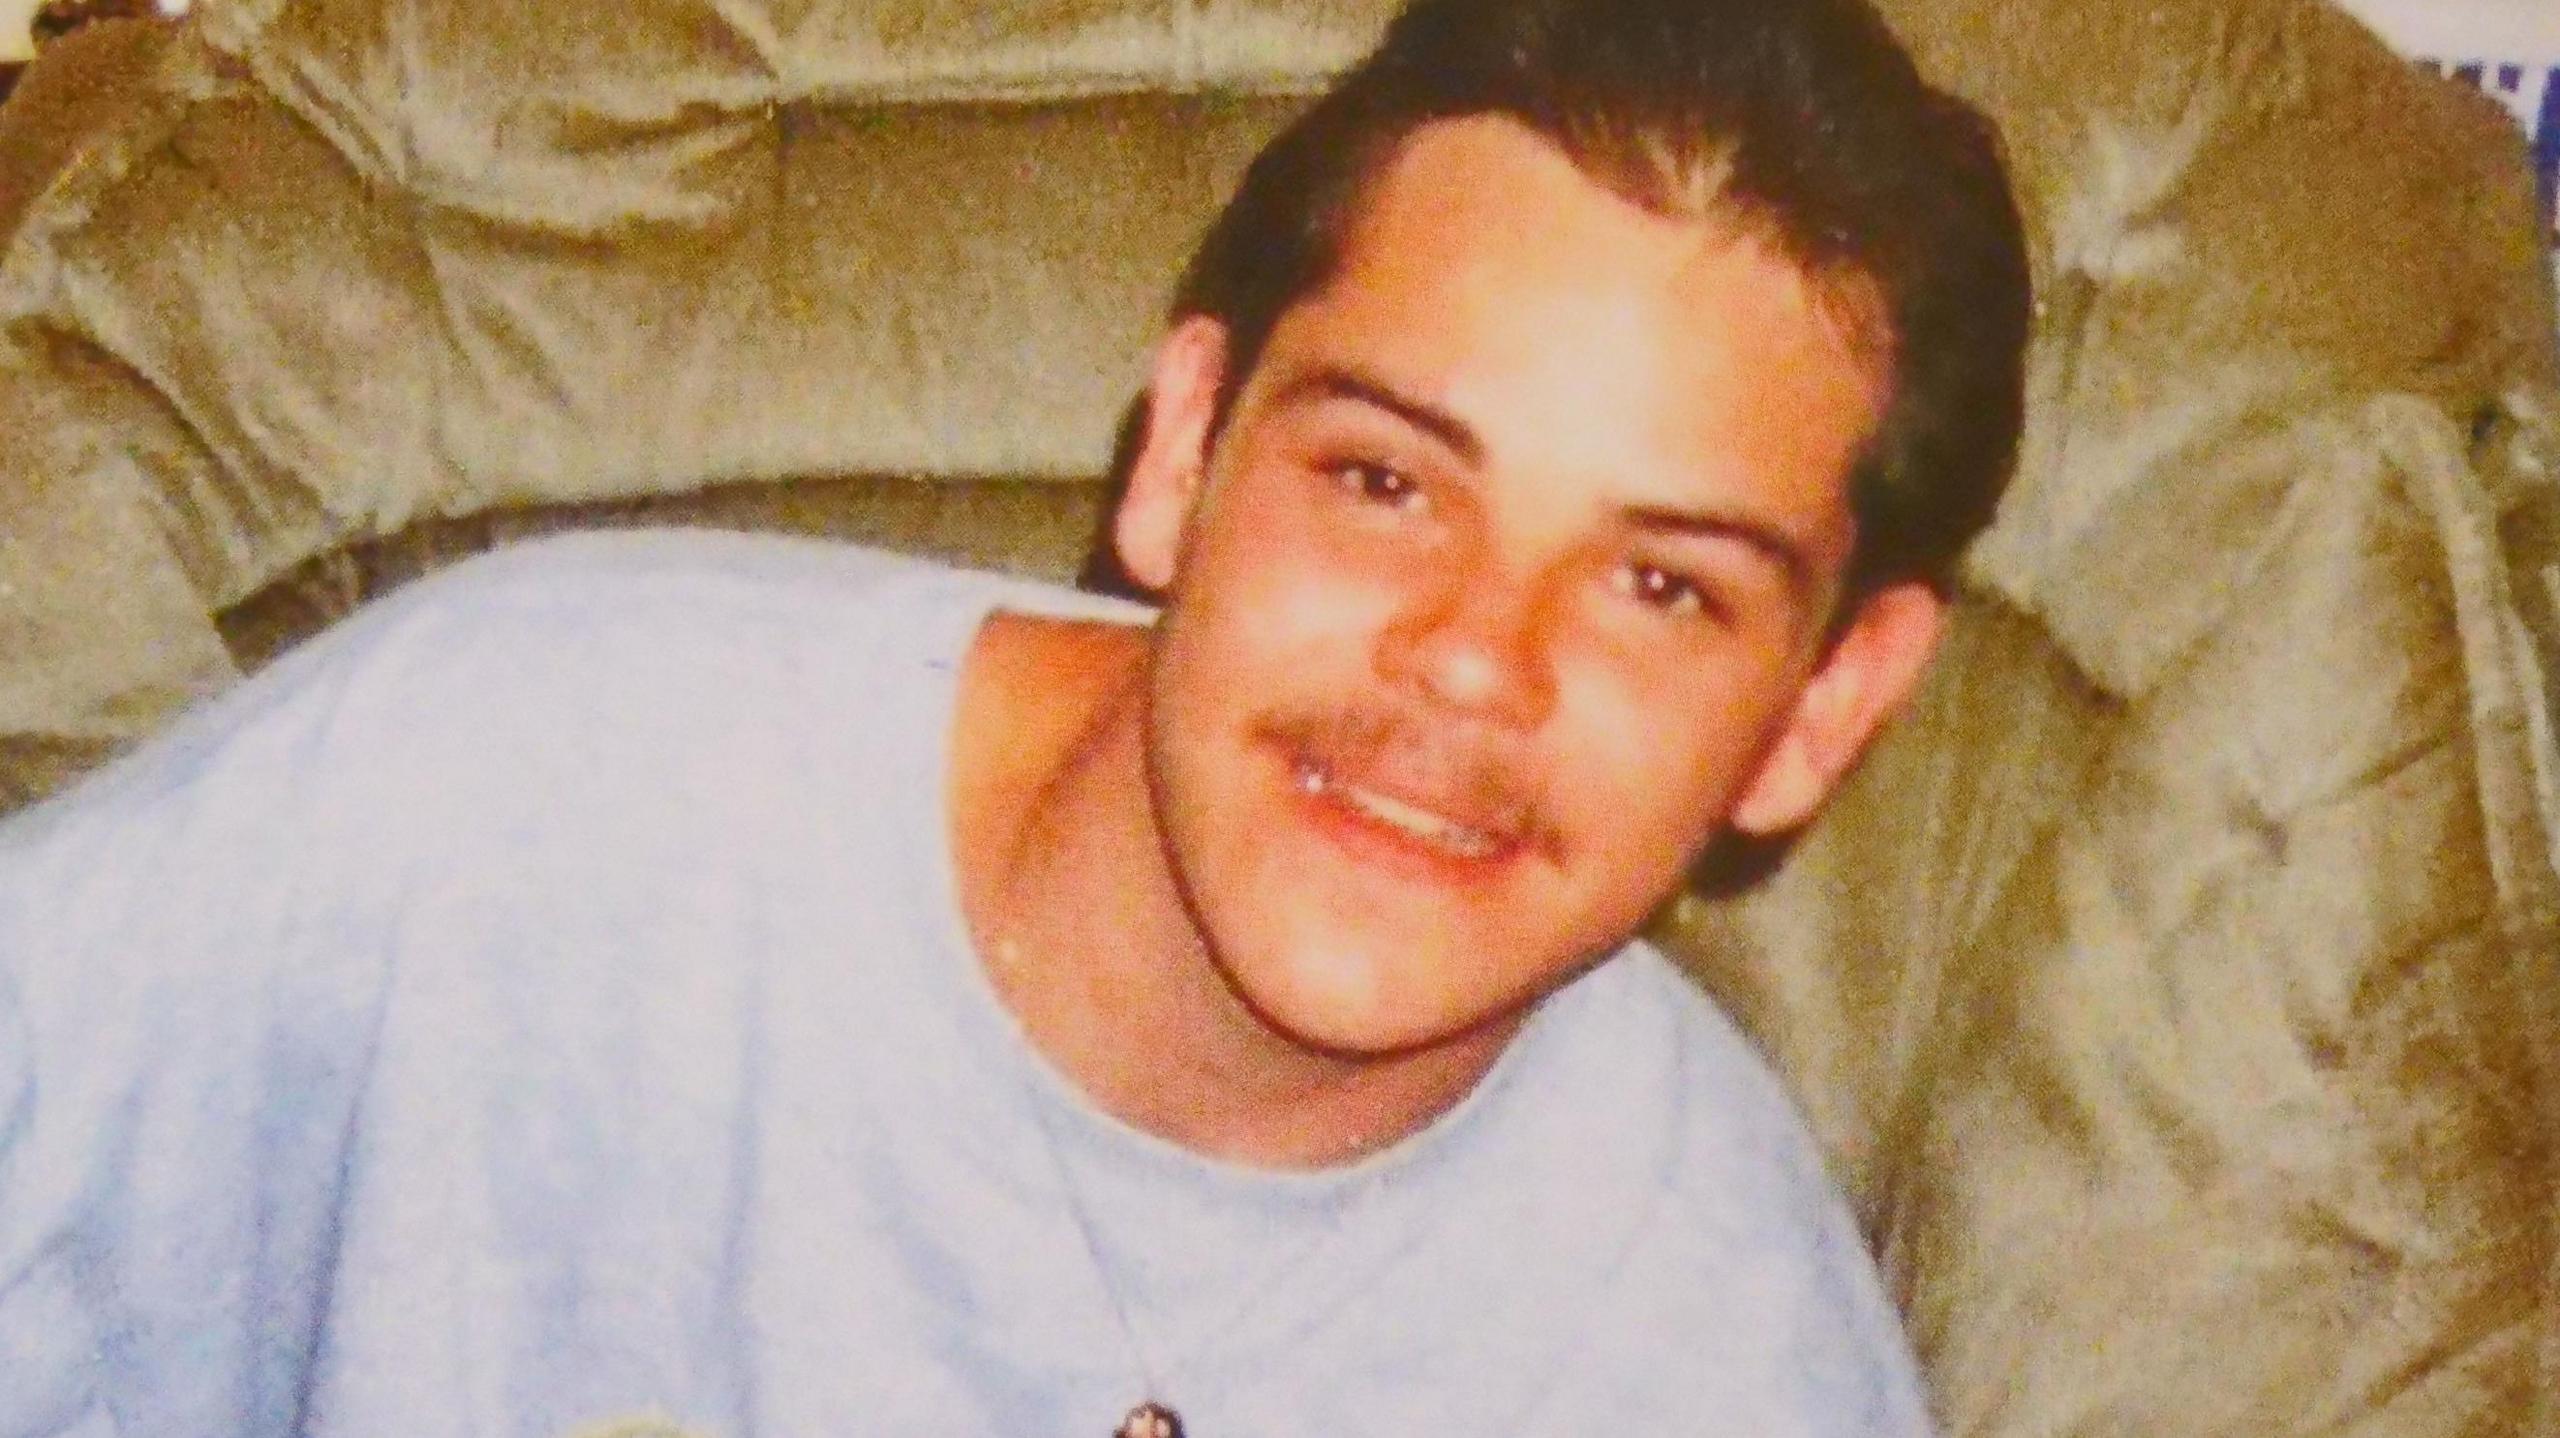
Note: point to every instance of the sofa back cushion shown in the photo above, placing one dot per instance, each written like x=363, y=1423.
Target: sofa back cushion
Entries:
x=2176, y=990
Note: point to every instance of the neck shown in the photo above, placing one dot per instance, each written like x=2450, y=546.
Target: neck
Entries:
x=1076, y=914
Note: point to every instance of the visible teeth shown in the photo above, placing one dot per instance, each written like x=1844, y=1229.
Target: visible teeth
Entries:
x=1421, y=823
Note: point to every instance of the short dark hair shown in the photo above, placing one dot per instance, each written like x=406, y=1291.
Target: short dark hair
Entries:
x=1801, y=120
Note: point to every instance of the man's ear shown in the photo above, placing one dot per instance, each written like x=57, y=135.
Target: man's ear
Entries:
x=1172, y=463
x=1869, y=672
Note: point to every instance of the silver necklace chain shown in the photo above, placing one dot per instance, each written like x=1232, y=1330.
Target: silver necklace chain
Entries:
x=1152, y=1418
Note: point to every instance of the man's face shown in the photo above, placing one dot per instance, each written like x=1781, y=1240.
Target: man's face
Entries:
x=1502, y=588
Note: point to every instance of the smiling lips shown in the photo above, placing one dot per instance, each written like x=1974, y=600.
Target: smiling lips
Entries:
x=1425, y=826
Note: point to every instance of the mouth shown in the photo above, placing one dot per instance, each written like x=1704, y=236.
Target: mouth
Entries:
x=1427, y=828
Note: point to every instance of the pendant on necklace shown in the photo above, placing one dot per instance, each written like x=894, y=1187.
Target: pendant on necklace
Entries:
x=1150, y=1420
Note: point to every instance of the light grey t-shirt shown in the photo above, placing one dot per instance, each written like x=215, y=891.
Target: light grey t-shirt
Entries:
x=541, y=1005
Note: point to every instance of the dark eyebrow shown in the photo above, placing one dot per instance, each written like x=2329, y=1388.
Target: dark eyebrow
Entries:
x=1767, y=541
x=1333, y=382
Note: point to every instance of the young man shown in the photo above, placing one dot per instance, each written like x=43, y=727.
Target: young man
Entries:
x=720, y=986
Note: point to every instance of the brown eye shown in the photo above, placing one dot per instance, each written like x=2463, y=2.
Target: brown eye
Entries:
x=1378, y=484
x=1657, y=588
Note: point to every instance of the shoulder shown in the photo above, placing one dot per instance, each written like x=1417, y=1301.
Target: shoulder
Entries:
x=546, y=636
x=1728, y=1148
x=1750, y=1252
x=524, y=692
x=702, y=611
x=724, y=570
x=657, y=576
x=1714, y=1089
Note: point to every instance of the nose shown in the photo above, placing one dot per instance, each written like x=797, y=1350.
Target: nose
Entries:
x=1476, y=645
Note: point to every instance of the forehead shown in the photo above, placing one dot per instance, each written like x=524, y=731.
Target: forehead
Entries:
x=1485, y=274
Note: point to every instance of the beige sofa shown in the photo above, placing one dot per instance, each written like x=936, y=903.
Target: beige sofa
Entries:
x=2178, y=990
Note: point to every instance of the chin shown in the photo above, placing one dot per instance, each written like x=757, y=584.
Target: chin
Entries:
x=1351, y=1006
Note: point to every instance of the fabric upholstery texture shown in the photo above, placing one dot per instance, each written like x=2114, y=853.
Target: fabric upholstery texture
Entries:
x=2177, y=989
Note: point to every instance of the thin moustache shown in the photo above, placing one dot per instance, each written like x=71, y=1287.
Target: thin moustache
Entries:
x=1434, y=759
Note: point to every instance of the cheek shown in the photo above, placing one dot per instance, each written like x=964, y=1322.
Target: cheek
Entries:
x=1651, y=764
x=1289, y=611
